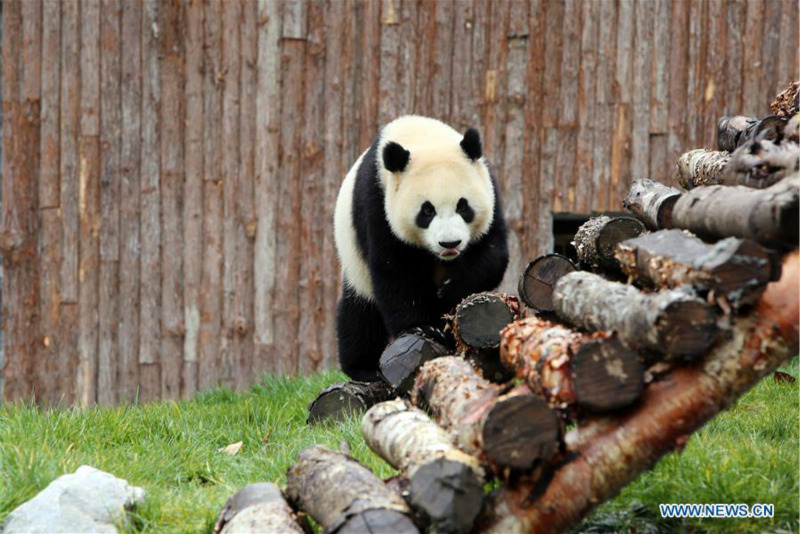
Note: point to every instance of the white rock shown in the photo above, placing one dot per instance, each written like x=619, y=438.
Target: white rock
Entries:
x=89, y=500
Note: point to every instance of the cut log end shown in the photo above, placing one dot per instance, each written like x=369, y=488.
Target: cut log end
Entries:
x=378, y=521
x=540, y=276
x=688, y=328
x=614, y=232
x=405, y=355
x=340, y=401
x=480, y=318
x=521, y=430
x=448, y=493
x=607, y=375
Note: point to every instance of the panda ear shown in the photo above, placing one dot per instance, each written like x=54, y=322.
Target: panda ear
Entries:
x=395, y=157
x=471, y=144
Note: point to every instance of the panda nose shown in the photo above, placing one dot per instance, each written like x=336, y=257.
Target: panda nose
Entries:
x=449, y=244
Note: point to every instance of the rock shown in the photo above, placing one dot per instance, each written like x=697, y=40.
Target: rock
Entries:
x=88, y=500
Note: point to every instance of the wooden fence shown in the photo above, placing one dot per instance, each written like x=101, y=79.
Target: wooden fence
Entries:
x=170, y=167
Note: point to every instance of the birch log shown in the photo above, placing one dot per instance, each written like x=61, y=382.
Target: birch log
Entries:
x=339, y=401
x=405, y=355
x=733, y=132
x=513, y=429
x=444, y=483
x=737, y=270
x=536, y=283
x=570, y=369
x=343, y=496
x=701, y=167
x=768, y=216
x=612, y=452
x=258, y=508
x=675, y=323
x=652, y=203
x=597, y=239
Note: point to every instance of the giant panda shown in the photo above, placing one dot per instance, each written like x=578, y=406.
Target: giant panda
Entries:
x=418, y=226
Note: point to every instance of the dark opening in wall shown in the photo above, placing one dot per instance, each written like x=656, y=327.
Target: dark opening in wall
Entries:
x=565, y=225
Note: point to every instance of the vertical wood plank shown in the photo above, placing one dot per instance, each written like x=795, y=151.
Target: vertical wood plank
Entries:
x=679, y=37
x=659, y=91
x=369, y=81
x=644, y=13
x=193, y=194
x=150, y=202
x=623, y=106
x=734, y=48
x=714, y=86
x=130, y=193
x=423, y=63
x=267, y=158
x=442, y=61
x=752, y=68
x=110, y=139
x=564, y=194
x=604, y=106
x=49, y=189
x=172, y=64
x=771, y=50
x=463, y=104
x=479, y=58
x=389, y=95
x=586, y=106
x=495, y=88
x=695, y=67
x=787, y=60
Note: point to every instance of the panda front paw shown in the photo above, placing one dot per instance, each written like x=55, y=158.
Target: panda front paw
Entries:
x=441, y=292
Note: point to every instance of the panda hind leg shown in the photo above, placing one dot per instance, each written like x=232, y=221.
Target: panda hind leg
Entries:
x=362, y=337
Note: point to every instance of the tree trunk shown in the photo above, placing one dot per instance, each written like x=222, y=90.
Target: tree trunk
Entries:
x=597, y=239
x=652, y=203
x=675, y=323
x=733, y=269
x=405, y=355
x=258, y=508
x=611, y=452
x=569, y=368
x=536, y=283
x=701, y=167
x=513, y=429
x=444, y=483
x=343, y=496
x=768, y=216
x=762, y=163
x=787, y=103
x=733, y=132
x=338, y=401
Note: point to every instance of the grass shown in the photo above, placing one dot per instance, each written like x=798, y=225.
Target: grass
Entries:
x=748, y=454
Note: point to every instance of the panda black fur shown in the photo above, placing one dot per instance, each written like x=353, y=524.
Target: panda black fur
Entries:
x=418, y=227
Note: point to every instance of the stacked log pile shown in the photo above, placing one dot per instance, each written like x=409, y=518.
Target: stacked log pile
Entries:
x=678, y=311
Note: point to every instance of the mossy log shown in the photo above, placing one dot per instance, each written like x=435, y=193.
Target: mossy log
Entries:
x=596, y=240
x=345, y=497
x=652, y=203
x=403, y=357
x=674, y=323
x=444, y=484
x=536, y=283
x=768, y=216
x=610, y=452
x=337, y=402
x=259, y=508
x=507, y=429
x=701, y=167
x=737, y=270
x=570, y=369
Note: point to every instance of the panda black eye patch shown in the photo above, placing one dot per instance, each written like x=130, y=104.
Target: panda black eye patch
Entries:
x=465, y=210
x=426, y=214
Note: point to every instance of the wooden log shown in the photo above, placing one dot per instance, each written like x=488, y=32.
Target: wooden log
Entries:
x=733, y=132
x=611, y=452
x=652, y=203
x=701, y=167
x=444, y=483
x=768, y=216
x=787, y=103
x=337, y=402
x=597, y=239
x=536, y=283
x=405, y=355
x=733, y=269
x=675, y=323
x=343, y=496
x=259, y=507
x=761, y=163
x=570, y=369
x=513, y=429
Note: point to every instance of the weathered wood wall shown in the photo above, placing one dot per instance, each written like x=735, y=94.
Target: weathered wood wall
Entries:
x=170, y=167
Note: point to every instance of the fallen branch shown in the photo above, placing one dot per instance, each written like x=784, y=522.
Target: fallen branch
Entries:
x=652, y=203
x=536, y=283
x=444, y=483
x=612, y=452
x=570, y=369
x=337, y=402
x=343, y=496
x=405, y=355
x=258, y=508
x=701, y=167
x=597, y=239
x=675, y=323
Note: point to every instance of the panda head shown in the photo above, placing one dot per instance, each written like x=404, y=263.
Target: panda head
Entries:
x=438, y=191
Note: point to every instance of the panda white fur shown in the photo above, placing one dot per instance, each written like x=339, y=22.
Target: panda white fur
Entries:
x=418, y=226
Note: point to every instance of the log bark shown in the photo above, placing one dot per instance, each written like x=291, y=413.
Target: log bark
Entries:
x=733, y=132
x=652, y=203
x=444, y=483
x=536, y=283
x=337, y=402
x=570, y=369
x=345, y=497
x=761, y=163
x=768, y=216
x=673, y=323
x=597, y=239
x=701, y=167
x=405, y=355
x=611, y=452
x=734, y=269
x=506, y=429
x=259, y=508
x=787, y=103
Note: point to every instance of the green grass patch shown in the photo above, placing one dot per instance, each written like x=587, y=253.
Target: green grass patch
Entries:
x=748, y=454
